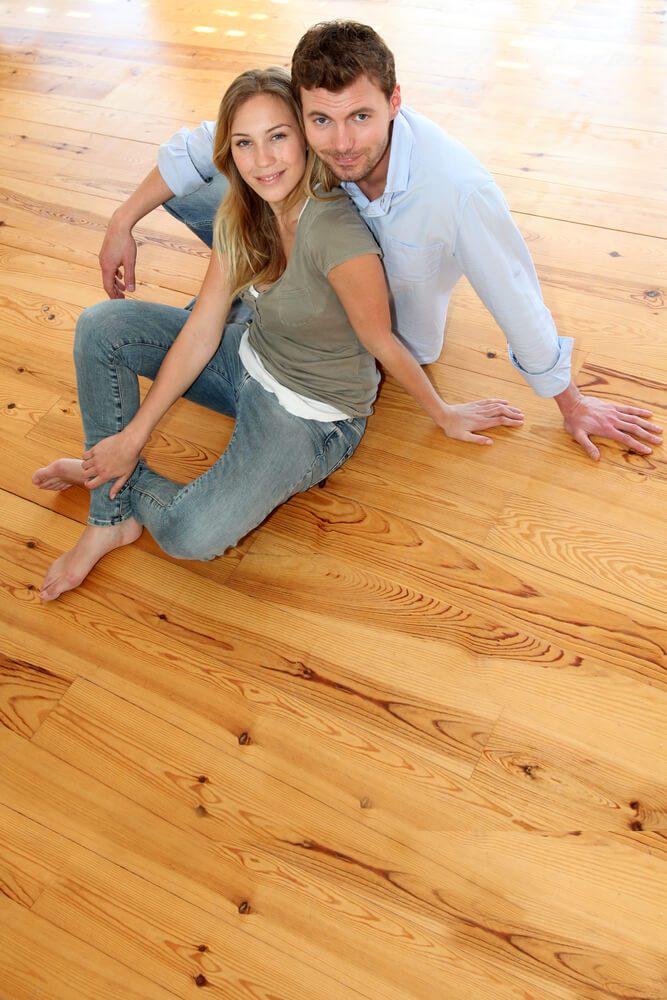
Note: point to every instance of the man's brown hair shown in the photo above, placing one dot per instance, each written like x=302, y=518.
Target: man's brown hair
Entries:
x=334, y=54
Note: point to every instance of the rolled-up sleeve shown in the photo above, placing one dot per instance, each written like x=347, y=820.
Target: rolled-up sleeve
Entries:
x=185, y=160
x=496, y=261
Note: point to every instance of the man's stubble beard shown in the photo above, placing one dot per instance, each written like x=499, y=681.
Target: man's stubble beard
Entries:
x=359, y=172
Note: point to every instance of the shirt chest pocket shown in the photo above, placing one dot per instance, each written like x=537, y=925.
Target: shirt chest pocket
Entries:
x=295, y=306
x=405, y=262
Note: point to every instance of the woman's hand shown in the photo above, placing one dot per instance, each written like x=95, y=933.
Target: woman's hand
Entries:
x=114, y=457
x=463, y=421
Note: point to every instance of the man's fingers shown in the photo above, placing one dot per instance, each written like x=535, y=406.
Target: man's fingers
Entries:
x=616, y=434
x=109, y=281
x=128, y=274
x=582, y=438
x=630, y=418
x=634, y=410
x=476, y=439
x=640, y=432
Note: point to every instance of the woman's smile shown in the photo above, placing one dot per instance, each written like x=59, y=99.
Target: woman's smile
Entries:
x=268, y=148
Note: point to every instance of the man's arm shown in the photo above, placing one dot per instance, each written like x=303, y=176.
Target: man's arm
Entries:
x=497, y=263
x=119, y=249
x=185, y=163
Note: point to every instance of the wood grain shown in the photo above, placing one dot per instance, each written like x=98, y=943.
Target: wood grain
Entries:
x=406, y=741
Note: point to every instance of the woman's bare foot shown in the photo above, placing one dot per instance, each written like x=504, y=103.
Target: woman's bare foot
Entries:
x=60, y=475
x=74, y=566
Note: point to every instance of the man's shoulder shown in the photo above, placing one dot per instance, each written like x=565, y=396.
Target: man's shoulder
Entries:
x=439, y=158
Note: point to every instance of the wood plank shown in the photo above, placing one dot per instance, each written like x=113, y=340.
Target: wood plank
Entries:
x=56, y=282
x=68, y=113
x=67, y=965
x=218, y=876
x=435, y=785
x=70, y=226
x=22, y=401
x=84, y=731
x=199, y=652
x=621, y=563
x=153, y=933
x=547, y=778
x=452, y=592
x=28, y=693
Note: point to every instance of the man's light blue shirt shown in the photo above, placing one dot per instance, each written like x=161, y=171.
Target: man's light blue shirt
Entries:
x=440, y=216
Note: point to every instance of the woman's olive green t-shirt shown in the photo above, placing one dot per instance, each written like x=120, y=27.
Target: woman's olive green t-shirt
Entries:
x=300, y=330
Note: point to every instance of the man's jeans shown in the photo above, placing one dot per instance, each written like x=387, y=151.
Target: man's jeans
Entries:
x=272, y=454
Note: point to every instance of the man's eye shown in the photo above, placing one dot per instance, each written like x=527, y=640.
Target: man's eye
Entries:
x=321, y=121
x=361, y=117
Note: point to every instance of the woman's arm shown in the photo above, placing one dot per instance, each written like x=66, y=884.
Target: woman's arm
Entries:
x=360, y=285
x=195, y=345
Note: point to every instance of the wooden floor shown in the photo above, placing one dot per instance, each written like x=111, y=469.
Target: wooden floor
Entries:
x=407, y=741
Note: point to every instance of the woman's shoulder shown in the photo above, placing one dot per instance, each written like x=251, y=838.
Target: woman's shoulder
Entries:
x=332, y=211
x=331, y=204
x=334, y=231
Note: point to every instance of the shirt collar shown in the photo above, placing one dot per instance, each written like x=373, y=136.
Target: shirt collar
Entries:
x=398, y=172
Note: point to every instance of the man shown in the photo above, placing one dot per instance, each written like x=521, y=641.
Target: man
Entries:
x=435, y=211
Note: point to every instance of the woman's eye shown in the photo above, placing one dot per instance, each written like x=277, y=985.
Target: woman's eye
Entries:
x=242, y=143
x=278, y=135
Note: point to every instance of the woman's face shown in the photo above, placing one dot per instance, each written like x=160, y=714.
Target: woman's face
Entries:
x=268, y=147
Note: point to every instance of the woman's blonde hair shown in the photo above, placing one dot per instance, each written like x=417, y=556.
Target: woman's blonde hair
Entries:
x=245, y=228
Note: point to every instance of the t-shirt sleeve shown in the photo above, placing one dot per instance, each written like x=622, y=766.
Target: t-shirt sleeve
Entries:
x=338, y=234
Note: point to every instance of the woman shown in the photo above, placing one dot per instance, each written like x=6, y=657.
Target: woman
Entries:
x=300, y=379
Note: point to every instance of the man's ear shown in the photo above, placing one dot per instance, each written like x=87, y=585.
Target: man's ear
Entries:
x=395, y=101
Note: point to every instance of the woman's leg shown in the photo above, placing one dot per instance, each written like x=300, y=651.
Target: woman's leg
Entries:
x=271, y=456
x=115, y=343
x=113, y=346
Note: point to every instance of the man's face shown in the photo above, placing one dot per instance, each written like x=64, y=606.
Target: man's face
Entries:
x=350, y=130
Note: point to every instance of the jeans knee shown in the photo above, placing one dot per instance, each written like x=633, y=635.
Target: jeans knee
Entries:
x=94, y=327
x=193, y=542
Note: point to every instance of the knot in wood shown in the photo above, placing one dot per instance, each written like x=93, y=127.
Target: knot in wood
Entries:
x=244, y=739
x=201, y=980
x=244, y=907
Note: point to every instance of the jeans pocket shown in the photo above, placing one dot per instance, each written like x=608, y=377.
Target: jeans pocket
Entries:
x=339, y=444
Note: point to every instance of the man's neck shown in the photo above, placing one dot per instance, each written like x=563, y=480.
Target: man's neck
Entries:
x=373, y=184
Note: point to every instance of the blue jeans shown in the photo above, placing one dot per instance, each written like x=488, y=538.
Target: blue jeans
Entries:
x=271, y=456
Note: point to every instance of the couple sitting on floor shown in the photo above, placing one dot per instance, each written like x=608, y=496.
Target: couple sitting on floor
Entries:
x=327, y=179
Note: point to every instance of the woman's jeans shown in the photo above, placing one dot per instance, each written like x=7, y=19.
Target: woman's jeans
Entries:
x=271, y=456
